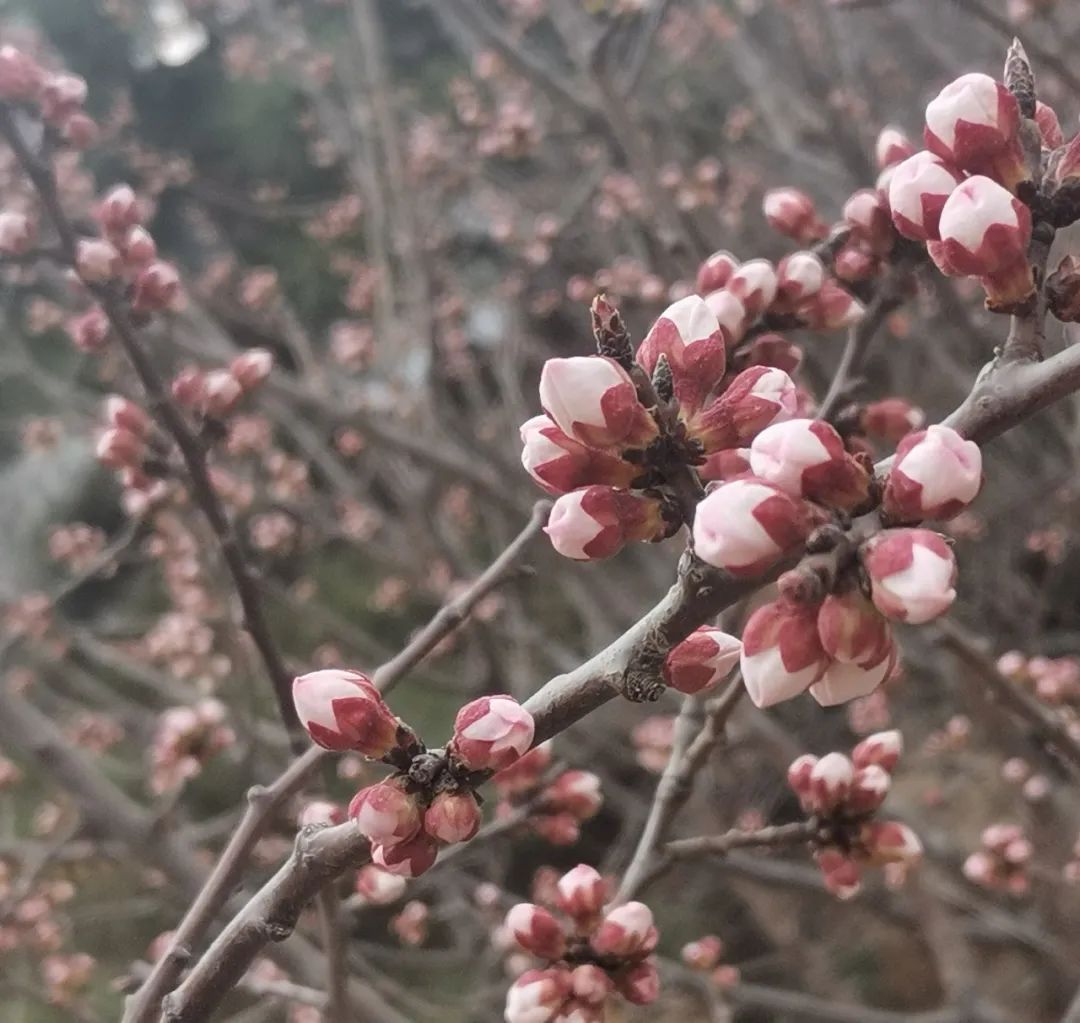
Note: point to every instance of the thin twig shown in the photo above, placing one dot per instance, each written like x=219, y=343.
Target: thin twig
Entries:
x=337, y=989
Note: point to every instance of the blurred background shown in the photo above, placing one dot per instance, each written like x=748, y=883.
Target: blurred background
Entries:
x=411, y=203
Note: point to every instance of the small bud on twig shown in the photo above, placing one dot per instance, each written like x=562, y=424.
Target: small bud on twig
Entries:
x=1019, y=77
x=612, y=337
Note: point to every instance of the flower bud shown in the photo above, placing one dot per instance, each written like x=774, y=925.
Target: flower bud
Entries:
x=688, y=334
x=524, y=774
x=575, y=792
x=891, y=419
x=830, y=782
x=702, y=660
x=844, y=682
x=855, y=263
x=120, y=449
x=79, y=130
x=831, y=308
x=536, y=996
x=1063, y=290
x=912, y=574
x=721, y=466
x=597, y=522
x=867, y=214
x=139, y=248
x=593, y=399
x=730, y=313
x=452, y=817
x=771, y=350
x=890, y=842
x=798, y=777
x=90, y=331
x=96, y=260
x=1066, y=165
x=851, y=629
x=188, y=388
x=406, y=859
x=581, y=893
x=378, y=887
x=386, y=813
x=625, y=931
x=536, y=930
x=842, y=875
x=342, y=710
x=754, y=284
x=757, y=397
x=17, y=233
x=118, y=211
x=746, y=525
x=869, y=787
x=591, y=984
x=793, y=214
x=800, y=276
x=156, y=287
x=974, y=124
x=935, y=475
x=561, y=464
x=557, y=828
x=892, y=147
x=322, y=812
x=252, y=367
x=881, y=748
x=60, y=95
x=782, y=654
x=918, y=189
x=491, y=733
x=1049, y=126
x=806, y=458
x=715, y=272
x=640, y=985
x=20, y=75
x=702, y=954
x=221, y=392
x=126, y=415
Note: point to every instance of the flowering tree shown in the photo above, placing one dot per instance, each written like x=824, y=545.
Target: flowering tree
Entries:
x=806, y=521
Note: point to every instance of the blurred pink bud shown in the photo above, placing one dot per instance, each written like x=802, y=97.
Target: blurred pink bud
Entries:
x=17, y=233
x=882, y=748
x=60, y=95
x=756, y=398
x=715, y=272
x=575, y=792
x=90, y=331
x=867, y=214
x=754, y=284
x=1049, y=126
x=704, y=953
x=536, y=996
x=342, y=710
x=831, y=308
x=892, y=147
x=320, y=811
x=792, y=213
x=918, y=189
x=20, y=75
x=452, y=817
x=626, y=930
x=491, y=733
x=378, y=887
x=252, y=367
x=689, y=335
x=556, y=828
x=851, y=629
x=536, y=930
x=702, y=660
x=854, y=262
x=912, y=574
x=746, y=525
x=979, y=869
x=406, y=859
x=97, y=260
x=869, y=787
x=830, y=782
x=597, y=522
x=561, y=464
x=581, y=892
x=139, y=248
x=593, y=399
x=118, y=211
x=640, y=985
x=126, y=415
x=524, y=774
x=800, y=276
x=891, y=842
x=385, y=813
x=841, y=875
x=156, y=287
x=782, y=655
x=188, y=387
x=842, y=682
x=798, y=777
x=119, y=449
x=891, y=419
x=936, y=474
x=221, y=392
x=772, y=350
x=591, y=984
x=79, y=130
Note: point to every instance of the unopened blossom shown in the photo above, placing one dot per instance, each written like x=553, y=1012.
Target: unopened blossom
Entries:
x=596, y=522
x=590, y=984
x=221, y=392
x=640, y=985
x=61, y=95
x=832, y=308
x=891, y=419
x=702, y=660
x=491, y=733
x=342, y=710
x=124, y=414
x=378, y=887
x=892, y=147
x=593, y=399
x=118, y=211
x=782, y=654
x=575, y=792
x=792, y=213
x=800, y=275
x=626, y=930
x=882, y=748
x=1049, y=126
x=1003, y=861
x=97, y=260
x=918, y=190
x=20, y=75
x=866, y=212
x=721, y=466
x=581, y=892
x=138, y=247
x=17, y=233
x=252, y=367
x=730, y=312
x=746, y=525
x=537, y=996
x=756, y=398
x=935, y=475
x=754, y=284
x=536, y=930
x=406, y=859
x=1067, y=164
x=156, y=287
x=888, y=842
x=386, y=813
x=89, y=331
x=715, y=272
x=912, y=574
x=841, y=874
x=452, y=817
x=859, y=641
x=689, y=336
x=525, y=773
x=869, y=787
x=119, y=448
x=561, y=464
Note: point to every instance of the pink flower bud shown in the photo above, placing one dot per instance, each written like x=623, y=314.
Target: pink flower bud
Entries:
x=855, y=263
x=221, y=392
x=581, y=893
x=973, y=123
x=807, y=458
x=593, y=399
x=757, y=397
x=90, y=331
x=79, y=130
x=869, y=787
x=702, y=660
x=754, y=284
x=118, y=211
x=912, y=574
x=841, y=875
x=721, y=466
x=252, y=367
x=918, y=189
x=867, y=214
x=792, y=213
x=851, y=629
x=524, y=774
x=20, y=75
x=591, y=984
x=575, y=792
x=842, y=682
x=830, y=781
x=626, y=931
x=126, y=415
x=406, y=859
x=890, y=842
x=342, y=710
x=702, y=954
x=800, y=276
x=536, y=996
x=746, y=525
x=1049, y=126
x=156, y=287
x=730, y=313
x=1066, y=165
x=798, y=777
x=386, y=813
x=188, y=388
x=715, y=272
x=935, y=475
x=491, y=733
x=378, y=887
x=97, y=260
x=452, y=817
x=881, y=748
x=832, y=308
x=640, y=985
x=17, y=233
x=139, y=248
x=772, y=350
x=60, y=95
x=892, y=147
x=782, y=654
x=120, y=448
x=689, y=335
x=557, y=828
x=596, y=522
x=561, y=464
x=891, y=419
x=322, y=812
x=536, y=931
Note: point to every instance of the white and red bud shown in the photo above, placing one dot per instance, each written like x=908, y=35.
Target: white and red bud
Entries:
x=575, y=792
x=524, y=774
x=119, y=448
x=1049, y=126
x=793, y=214
x=798, y=777
x=124, y=414
x=118, y=211
x=378, y=887
x=830, y=782
x=843, y=682
x=854, y=262
x=1066, y=166
x=640, y=985
x=730, y=313
x=17, y=233
x=342, y=710
x=891, y=419
x=912, y=574
x=807, y=458
x=406, y=859
x=626, y=931
x=689, y=335
x=746, y=525
x=79, y=130
x=882, y=749
x=221, y=392
x=251, y=368
x=156, y=287
x=320, y=811
x=715, y=272
x=867, y=214
x=21, y=76
x=831, y=308
x=561, y=464
x=557, y=828
x=537, y=996
x=139, y=248
x=597, y=522
x=61, y=95
x=591, y=984
x=452, y=817
x=491, y=733
x=593, y=399
x=935, y=475
x=756, y=398
x=722, y=466
x=702, y=660
x=800, y=276
x=772, y=350
x=97, y=260
x=782, y=654
x=754, y=284
x=887, y=842
x=702, y=954
x=536, y=930
x=841, y=874
x=892, y=147
x=89, y=331
x=869, y=787
x=582, y=892
x=852, y=630
x=918, y=190
x=386, y=813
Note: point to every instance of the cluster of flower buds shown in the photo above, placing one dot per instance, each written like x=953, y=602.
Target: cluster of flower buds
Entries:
x=591, y=954
x=842, y=795
x=556, y=807
x=378, y=887
x=1002, y=862
x=1053, y=680
x=704, y=955
x=430, y=801
x=186, y=738
x=216, y=393
x=57, y=97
